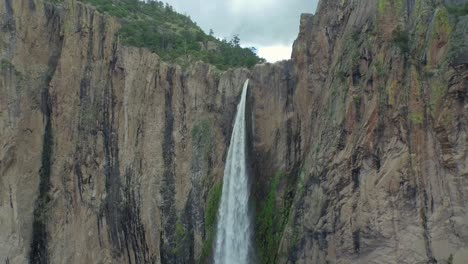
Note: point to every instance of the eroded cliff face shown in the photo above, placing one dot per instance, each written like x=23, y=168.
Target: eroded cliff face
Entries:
x=358, y=143
x=382, y=97
x=108, y=153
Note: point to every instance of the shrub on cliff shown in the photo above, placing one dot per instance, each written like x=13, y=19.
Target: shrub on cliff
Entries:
x=458, y=10
x=173, y=36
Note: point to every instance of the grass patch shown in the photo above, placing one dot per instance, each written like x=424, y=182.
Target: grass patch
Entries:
x=270, y=222
x=381, y=7
x=416, y=118
x=180, y=239
x=442, y=25
x=211, y=212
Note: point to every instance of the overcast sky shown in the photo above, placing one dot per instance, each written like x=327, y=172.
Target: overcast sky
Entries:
x=269, y=25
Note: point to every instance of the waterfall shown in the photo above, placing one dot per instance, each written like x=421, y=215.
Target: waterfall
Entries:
x=233, y=236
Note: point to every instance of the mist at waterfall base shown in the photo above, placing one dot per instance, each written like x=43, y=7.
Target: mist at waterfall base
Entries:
x=234, y=231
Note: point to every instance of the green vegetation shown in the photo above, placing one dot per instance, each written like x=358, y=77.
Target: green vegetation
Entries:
x=357, y=99
x=379, y=69
x=383, y=99
x=450, y=259
x=202, y=137
x=88, y=116
x=399, y=5
x=180, y=239
x=173, y=36
x=458, y=10
x=423, y=12
x=266, y=231
x=416, y=118
x=457, y=42
x=401, y=40
x=301, y=183
x=214, y=199
x=211, y=211
x=438, y=90
x=201, y=132
x=341, y=75
x=351, y=51
x=396, y=5
x=442, y=25
x=5, y=64
x=382, y=4
x=441, y=35
x=270, y=222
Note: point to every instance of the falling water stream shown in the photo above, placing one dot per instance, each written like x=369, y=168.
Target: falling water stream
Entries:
x=233, y=236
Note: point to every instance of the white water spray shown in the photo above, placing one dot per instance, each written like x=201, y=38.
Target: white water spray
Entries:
x=233, y=236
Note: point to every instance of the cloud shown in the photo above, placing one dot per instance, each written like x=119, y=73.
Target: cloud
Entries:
x=260, y=22
x=275, y=53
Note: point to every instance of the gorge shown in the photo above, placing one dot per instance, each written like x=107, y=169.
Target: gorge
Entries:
x=357, y=145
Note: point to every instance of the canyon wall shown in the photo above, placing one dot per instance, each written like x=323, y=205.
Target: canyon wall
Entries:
x=108, y=153
x=382, y=97
x=358, y=143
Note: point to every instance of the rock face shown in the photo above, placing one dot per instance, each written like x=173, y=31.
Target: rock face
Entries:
x=108, y=153
x=358, y=144
x=382, y=97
